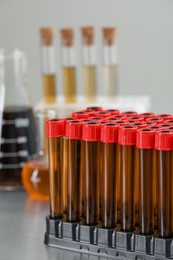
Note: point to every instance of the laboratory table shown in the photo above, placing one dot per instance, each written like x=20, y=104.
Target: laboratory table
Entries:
x=22, y=227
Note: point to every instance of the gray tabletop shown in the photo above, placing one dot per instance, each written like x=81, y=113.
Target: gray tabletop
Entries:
x=22, y=227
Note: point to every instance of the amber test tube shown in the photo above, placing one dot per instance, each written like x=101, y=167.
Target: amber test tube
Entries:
x=164, y=156
x=89, y=63
x=68, y=65
x=54, y=132
x=74, y=134
x=109, y=138
x=143, y=190
x=127, y=143
x=91, y=138
x=48, y=65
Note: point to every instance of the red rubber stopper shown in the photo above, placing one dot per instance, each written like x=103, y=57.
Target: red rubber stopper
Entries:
x=145, y=138
x=154, y=120
x=165, y=116
x=95, y=108
x=121, y=117
x=81, y=114
x=139, y=125
x=164, y=140
x=127, y=135
x=113, y=112
x=109, y=133
x=135, y=118
x=121, y=122
x=55, y=127
x=91, y=131
x=74, y=130
x=129, y=113
x=102, y=114
x=147, y=115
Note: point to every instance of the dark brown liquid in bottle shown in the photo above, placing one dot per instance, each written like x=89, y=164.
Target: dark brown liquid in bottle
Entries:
x=16, y=145
x=83, y=181
x=143, y=185
x=55, y=177
x=109, y=179
x=118, y=190
x=92, y=166
x=74, y=180
x=128, y=172
x=100, y=184
x=65, y=170
x=165, y=193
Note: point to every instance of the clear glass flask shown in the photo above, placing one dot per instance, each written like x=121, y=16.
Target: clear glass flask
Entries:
x=35, y=173
x=17, y=126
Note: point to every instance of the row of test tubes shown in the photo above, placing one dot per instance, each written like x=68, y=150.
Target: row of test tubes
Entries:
x=112, y=170
x=69, y=63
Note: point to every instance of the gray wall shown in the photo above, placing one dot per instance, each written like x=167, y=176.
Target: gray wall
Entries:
x=145, y=40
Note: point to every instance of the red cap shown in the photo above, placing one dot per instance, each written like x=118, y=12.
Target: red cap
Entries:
x=139, y=125
x=121, y=117
x=168, y=121
x=135, y=118
x=127, y=135
x=147, y=115
x=102, y=114
x=165, y=116
x=74, y=130
x=164, y=125
x=55, y=127
x=95, y=108
x=109, y=133
x=170, y=128
x=129, y=113
x=145, y=138
x=91, y=131
x=164, y=140
x=81, y=114
x=154, y=120
x=154, y=128
x=113, y=112
x=121, y=122
x=150, y=123
x=96, y=118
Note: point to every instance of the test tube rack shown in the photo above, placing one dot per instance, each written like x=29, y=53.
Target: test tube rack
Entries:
x=106, y=242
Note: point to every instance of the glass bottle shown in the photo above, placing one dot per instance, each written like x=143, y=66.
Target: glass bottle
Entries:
x=68, y=65
x=17, y=126
x=89, y=63
x=110, y=61
x=48, y=65
x=35, y=173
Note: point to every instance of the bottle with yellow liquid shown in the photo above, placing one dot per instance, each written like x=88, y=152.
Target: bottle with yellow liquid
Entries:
x=68, y=65
x=110, y=62
x=89, y=63
x=48, y=65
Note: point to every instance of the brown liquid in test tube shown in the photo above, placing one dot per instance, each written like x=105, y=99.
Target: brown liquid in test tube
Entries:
x=54, y=132
x=164, y=155
x=109, y=138
x=91, y=137
x=143, y=191
x=74, y=134
x=126, y=168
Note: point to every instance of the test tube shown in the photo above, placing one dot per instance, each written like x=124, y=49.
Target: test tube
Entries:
x=109, y=137
x=89, y=63
x=74, y=134
x=91, y=137
x=164, y=151
x=110, y=61
x=143, y=189
x=54, y=131
x=48, y=65
x=127, y=143
x=68, y=65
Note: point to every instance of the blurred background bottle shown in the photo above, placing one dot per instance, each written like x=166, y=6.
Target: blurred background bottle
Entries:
x=68, y=65
x=110, y=62
x=48, y=65
x=89, y=63
x=35, y=173
x=17, y=126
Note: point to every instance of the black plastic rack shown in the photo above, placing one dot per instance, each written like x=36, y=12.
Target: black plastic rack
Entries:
x=106, y=242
